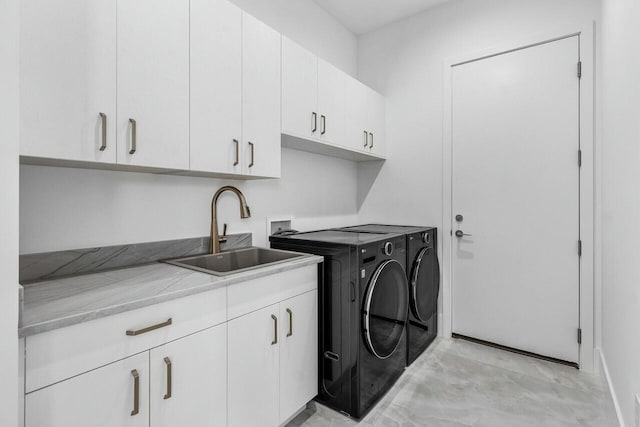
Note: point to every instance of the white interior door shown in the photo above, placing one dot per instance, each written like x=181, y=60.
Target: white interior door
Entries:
x=516, y=185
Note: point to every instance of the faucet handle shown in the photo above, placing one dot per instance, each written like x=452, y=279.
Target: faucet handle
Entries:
x=223, y=238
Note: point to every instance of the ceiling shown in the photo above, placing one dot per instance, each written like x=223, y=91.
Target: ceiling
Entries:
x=362, y=16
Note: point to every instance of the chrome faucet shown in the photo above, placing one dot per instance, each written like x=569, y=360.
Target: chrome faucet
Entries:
x=214, y=245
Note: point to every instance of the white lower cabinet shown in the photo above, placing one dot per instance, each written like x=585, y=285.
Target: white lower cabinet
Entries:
x=198, y=370
x=253, y=369
x=273, y=368
x=104, y=397
x=298, y=353
x=188, y=382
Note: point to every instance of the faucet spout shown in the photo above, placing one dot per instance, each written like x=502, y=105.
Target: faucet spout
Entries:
x=245, y=212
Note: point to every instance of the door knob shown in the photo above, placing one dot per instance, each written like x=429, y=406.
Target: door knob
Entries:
x=459, y=218
x=460, y=233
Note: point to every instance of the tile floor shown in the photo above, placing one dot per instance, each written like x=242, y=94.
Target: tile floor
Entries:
x=458, y=383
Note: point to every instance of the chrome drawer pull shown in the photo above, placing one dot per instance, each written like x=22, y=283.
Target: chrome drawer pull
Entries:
x=133, y=333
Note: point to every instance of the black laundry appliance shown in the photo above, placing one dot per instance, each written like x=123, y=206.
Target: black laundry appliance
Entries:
x=363, y=301
x=423, y=275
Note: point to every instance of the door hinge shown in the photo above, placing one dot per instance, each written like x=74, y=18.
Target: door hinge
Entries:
x=579, y=69
x=579, y=158
x=579, y=247
x=579, y=336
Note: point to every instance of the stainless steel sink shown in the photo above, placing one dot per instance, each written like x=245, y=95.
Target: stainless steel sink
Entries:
x=226, y=263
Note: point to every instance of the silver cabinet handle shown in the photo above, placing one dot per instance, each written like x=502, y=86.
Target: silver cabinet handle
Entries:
x=290, y=322
x=133, y=333
x=323, y=124
x=314, y=122
x=252, y=154
x=366, y=138
x=167, y=395
x=237, y=143
x=371, y=143
x=275, y=330
x=103, y=120
x=134, y=135
x=136, y=392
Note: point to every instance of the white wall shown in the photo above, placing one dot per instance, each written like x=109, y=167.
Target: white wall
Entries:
x=621, y=175
x=74, y=208
x=310, y=26
x=405, y=61
x=9, y=212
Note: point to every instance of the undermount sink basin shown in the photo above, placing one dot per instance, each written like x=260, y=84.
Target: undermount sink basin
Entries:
x=226, y=263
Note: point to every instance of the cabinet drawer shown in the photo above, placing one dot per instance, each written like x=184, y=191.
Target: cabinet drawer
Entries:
x=255, y=294
x=56, y=355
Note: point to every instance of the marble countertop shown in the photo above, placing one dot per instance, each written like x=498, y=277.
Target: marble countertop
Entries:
x=64, y=302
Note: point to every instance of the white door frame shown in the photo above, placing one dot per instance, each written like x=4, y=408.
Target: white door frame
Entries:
x=587, y=208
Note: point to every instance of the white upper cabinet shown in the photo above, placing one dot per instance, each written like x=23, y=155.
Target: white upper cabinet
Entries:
x=376, y=123
x=356, y=133
x=331, y=103
x=261, y=94
x=181, y=85
x=326, y=111
x=68, y=79
x=299, y=91
x=313, y=97
x=365, y=119
x=153, y=83
x=216, y=86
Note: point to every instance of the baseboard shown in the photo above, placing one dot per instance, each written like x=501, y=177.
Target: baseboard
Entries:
x=604, y=369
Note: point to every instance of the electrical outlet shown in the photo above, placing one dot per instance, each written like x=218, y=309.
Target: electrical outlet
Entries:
x=637, y=405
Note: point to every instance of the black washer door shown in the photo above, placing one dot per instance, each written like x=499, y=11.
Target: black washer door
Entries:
x=425, y=284
x=385, y=309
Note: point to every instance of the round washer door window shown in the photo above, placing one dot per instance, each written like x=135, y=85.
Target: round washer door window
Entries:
x=385, y=309
x=425, y=284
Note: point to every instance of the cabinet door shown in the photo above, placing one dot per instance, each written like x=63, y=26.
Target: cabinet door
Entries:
x=300, y=116
x=189, y=381
x=67, y=78
x=104, y=397
x=376, y=123
x=153, y=83
x=216, y=86
x=253, y=354
x=356, y=136
x=261, y=125
x=298, y=353
x=331, y=103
